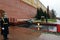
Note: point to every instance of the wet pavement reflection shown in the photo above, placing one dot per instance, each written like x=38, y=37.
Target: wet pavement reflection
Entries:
x=19, y=33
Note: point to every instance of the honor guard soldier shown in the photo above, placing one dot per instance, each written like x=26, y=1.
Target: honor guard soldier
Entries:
x=4, y=25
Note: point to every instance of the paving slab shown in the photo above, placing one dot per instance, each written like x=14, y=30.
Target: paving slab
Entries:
x=19, y=33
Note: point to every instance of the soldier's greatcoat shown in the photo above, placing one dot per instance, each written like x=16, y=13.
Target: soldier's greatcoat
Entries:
x=4, y=26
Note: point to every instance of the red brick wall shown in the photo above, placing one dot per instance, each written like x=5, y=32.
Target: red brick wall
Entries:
x=17, y=9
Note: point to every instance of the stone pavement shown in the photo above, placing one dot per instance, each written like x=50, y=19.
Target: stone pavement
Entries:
x=19, y=33
x=44, y=36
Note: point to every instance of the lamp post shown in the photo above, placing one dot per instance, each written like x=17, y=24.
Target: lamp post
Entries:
x=46, y=19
